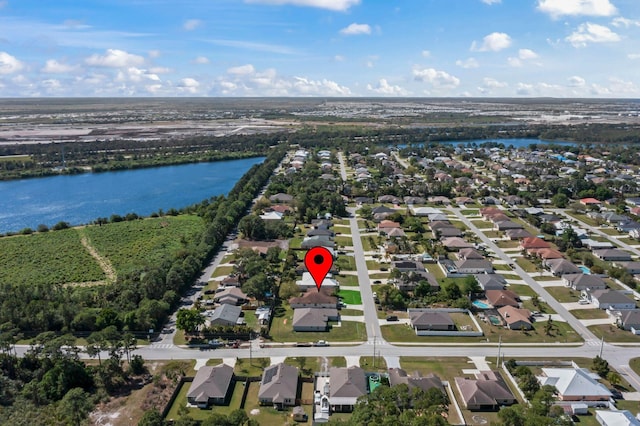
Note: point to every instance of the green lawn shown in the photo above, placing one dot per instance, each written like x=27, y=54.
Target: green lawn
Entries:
x=251, y=368
x=589, y=313
x=282, y=330
x=526, y=264
x=347, y=280
x=521, y=289
x=634, y=363
x=350, y=297
x=311, y=365
x=351, y=312
x=344, y=241
x=470, y=212
x=564, y=294
x=508, y=244
x=501, y=267
x=379, y=275
x=202, y=414
x=214, y=361
x=434, y=269
x=368, y=363
x=267, y=415
x=612, y=333
x=222, y=271
x=346, y=263
x=366, y=243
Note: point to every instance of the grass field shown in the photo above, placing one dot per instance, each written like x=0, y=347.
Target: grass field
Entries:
x=282, y=330
x=634, y=363
x=612, y=333
x=55, y=257
x=350, y=297
x=589, y=313
x=142, y=242
x=564, y=294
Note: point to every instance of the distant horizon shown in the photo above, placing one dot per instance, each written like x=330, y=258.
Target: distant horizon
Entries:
x=567, y=49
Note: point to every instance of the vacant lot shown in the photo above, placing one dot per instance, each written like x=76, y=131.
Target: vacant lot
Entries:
x=612, y=333
x=55, y=257
x=350, y=297
x=564, y=294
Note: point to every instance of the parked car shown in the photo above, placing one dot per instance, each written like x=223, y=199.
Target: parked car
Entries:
x=392, y=318
x=321, y=343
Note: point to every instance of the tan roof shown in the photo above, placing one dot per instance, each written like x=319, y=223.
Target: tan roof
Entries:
x=315, y=297
x=279, y=382
x=398, y=376
x=502, y=298
x=512, y=315
x=347, y=382
x=211, y=382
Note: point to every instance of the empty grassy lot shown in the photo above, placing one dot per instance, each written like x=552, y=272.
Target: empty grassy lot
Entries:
x=564, y=294
x=612, y=333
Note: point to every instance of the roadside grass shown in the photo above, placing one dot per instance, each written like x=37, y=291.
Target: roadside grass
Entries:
x=522, y=289
x=350, y=297
x=589, y=313
x=501, y=267
x=346, y=263
x=470, y=212
x=368, y=363
x=222, y=271
x=612, y=232
x=214, y=361
x=435, y=270
x=508, y=244
x=366, y=243
x=347, y=280
x=546, y=278
x=351, y=312
x=511, y=277
x=379, y=276
x=564, y=294
x=481, y=224
x=634, y=363
x=344, y=241
x=251, y=368
x=612, y=333
x=492, y=234
x=526, y=264
x=314, y=364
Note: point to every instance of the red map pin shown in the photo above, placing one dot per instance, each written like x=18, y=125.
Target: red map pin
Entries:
x=318, y=261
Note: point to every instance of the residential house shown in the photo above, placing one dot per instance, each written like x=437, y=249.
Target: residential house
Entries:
x=346, y=385
x=516, y=319
x=407, y=265
x=307, y=283
x=211, y=386
x=226, y=315
x=517, y=234
x=488, y=391
x=474, y=266
x=499, y=298
x=582, y=282
x=469, y=254
x=321, y=232
x=533, y=243
x=575, y=384
x=279, y=386
x=230, y=296
x=590, y=202
x=431, y=320
x=313, y=319
x=559, y=267
x=491, y=281
x=408, y=281
x=629, y=320
x=398, y=376
x=423, y=211
x=317, y=241
x=272, y=215
x=612, y=255
x=315, y=299
x=616, y=418
x=610, y=299
x=506, y=225
x=447, y=232
x=455, y=243
x=631, y=267
x=546, y=253
x=386, y=225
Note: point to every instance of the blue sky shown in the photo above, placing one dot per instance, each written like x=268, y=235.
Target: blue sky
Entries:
x=513, y=48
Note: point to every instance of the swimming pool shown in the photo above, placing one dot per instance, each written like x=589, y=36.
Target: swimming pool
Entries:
x=480, y=304
x=585, y=270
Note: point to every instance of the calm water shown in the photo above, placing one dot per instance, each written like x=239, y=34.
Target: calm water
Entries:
x=82, y=198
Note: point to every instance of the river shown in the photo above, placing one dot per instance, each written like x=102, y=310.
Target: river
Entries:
x=79, y=199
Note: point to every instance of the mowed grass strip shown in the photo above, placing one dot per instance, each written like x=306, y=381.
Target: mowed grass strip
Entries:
x=144, y=242
x=55, y=257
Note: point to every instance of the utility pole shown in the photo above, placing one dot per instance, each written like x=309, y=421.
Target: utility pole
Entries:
x=374, y=351
x=601, y=346
x=250, y=352
x=499, y=347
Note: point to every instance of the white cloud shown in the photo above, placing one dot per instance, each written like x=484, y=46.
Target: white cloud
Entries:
x=115, y=58
x=54, y=67
x=135, y=75
x=160, y=70
x=557, y=8
x=339, y=58
x=490, y=2
x=493, y=42
x=526, y=54
x=191, y=24
x=576, y=81
x=633, y=56
x=624, y=22
x=154, y=53
x=591, y=33
x=384, y=88
x=337, y=5
x=439, y=79
x=493, y=83
x=200, y=60
x=426, y=54
x=524, y=89
x=468, y=63
x=305, y=86
x=514, y=62
x=9, y=64
x=369, y=64
x=189, y=85
x=356, y=29
x=242, y=70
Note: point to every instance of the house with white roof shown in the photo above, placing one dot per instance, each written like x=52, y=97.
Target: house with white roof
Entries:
x=616, y=418
x=575, y=384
